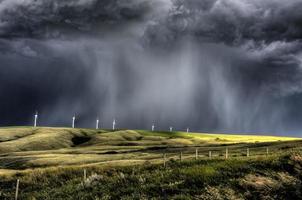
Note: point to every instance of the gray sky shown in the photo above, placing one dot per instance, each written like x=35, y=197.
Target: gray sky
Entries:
x=211, y=65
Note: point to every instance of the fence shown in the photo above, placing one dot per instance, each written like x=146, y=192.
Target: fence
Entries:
x=226, y=153
x=190, y=153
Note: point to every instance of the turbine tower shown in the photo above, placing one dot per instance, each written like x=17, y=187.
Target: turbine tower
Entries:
x=36, y=119
x=153, y=127
x=73, y=121
x=188, y=130
x=171, y=128
x=97, y=124
x=113, y=124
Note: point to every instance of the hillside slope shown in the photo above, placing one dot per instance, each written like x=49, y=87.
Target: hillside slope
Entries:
x=28, y=147
x=140, y=164
x=46, y=138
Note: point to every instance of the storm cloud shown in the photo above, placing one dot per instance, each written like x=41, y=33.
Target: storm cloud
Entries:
x=212, y=65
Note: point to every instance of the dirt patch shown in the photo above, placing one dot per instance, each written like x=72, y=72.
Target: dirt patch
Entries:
x=109, y=152
x=258, y=182
x=80, y=140
x=219, y=193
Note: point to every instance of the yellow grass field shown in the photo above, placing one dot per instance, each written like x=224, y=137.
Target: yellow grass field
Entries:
x=24, y=148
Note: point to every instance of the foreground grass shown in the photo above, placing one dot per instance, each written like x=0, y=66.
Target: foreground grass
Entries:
x=272, y=177
x=128, y=164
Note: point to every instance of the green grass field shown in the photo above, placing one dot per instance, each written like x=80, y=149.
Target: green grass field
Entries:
x=50, y=161
x=28, y=147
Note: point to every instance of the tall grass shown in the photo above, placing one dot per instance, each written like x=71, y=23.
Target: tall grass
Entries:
x=275, y=176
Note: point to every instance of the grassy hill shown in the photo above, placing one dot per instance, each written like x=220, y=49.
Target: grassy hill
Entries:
x=28, y=147
x=45, y=138
x=129, y=164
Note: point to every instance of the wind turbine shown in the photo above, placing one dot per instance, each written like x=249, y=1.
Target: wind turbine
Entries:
x=113, y=124
x=153, y=127
x=73, y=121
x=36, y=119
x=97, y=124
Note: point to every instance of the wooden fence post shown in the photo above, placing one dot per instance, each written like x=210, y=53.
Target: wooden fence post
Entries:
x=267, y=151
x=85, y=175
x=17, y=189
x=164, y=157
x=247, y=152
x=196, y=154
x=180, y=156
x=226, y=153
x=210, y=154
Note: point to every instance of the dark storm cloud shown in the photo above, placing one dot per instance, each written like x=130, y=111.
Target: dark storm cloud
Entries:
x=270, y=32
x=266, y=64
x=43, y=63
x=230, y=21
x=212, y=65
x=35, y=76
x=31, y=18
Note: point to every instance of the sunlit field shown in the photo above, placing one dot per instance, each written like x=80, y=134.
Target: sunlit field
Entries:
x=27, y=147
x=67, y=163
